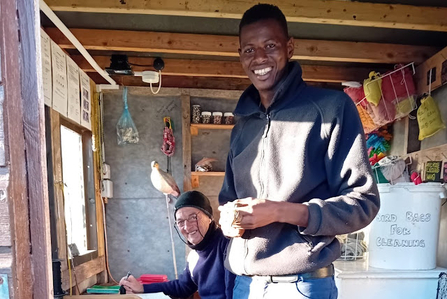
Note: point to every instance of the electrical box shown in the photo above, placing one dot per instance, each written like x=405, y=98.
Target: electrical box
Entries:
x=107, y=189
x=106, y=175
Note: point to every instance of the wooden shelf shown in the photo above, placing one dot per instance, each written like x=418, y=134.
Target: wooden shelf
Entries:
x=207, y=173
x=195, y=175
x=196, y=127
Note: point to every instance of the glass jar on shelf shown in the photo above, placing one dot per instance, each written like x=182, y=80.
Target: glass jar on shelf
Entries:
x=206, y=117
x=196, y=111
x=228, y=118
x=217, y=118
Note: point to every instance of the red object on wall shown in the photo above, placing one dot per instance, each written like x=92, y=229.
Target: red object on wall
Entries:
x=398, y=84
x=416, y=178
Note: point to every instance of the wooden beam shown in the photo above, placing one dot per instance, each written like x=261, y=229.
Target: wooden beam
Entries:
x=226, y=46
x=97, y=162
x=186, y=141
x=83, y=271
x=35, y=146
x=61, y=234
x=306, y=11
x=21, y=266
x=227, y=69
x=181, y=82
x=197, y=82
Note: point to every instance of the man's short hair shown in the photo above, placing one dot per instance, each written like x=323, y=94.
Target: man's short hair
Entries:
x=261, y=12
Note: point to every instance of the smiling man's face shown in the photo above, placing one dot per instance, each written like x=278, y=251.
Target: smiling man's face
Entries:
x=264, y=52
x=193, y=224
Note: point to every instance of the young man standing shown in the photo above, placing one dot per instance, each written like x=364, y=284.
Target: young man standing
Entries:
x=297, y=172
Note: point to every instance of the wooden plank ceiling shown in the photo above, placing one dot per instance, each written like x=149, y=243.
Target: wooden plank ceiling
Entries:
x=306, y=11
x=210, y=61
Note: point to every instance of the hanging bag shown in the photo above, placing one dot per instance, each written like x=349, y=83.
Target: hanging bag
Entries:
x=125, y=128
x=398, y=88
x=429, y=118
x=398, y=85
x=373, y=88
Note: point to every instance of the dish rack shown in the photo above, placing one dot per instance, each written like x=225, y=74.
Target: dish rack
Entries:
x=398, y=98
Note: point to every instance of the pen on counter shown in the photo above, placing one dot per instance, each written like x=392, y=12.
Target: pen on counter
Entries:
x=122, y=289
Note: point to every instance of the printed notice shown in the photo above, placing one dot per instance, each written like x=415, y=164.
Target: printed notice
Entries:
x=74, y=100
x=59, y=68
x=433, y=171
x=86, y=107
x=46, y=67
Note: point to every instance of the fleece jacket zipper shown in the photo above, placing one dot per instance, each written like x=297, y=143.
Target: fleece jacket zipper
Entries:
x=261, y=165
x=261, y=181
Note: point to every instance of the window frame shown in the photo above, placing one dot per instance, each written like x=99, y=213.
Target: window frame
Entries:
x=90, y=266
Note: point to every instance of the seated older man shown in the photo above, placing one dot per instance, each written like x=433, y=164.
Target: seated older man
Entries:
x=204, y=270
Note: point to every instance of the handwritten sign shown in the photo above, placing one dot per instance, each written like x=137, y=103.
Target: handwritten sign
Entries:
x=74, y=100
x=46, y=67
x=59, y=71
x=399, y=233
x=433, y=171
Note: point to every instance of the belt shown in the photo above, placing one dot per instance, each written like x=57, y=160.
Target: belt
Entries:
x=319, y=273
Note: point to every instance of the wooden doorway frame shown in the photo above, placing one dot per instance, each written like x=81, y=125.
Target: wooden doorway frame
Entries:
x=25, y=150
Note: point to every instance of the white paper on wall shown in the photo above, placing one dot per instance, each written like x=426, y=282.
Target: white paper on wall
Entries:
x=46, y=67
x=86, y=107
x=74, y=98
x=59, y=68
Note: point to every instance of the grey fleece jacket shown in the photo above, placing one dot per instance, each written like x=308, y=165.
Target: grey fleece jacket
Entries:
x=308, y=147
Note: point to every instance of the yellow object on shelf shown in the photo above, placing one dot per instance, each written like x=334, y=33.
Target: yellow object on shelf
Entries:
x=373, y=88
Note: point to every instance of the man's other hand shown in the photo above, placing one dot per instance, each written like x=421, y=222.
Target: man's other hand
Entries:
x=131, y=285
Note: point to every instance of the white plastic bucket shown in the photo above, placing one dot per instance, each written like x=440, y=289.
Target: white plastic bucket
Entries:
x=404, y=234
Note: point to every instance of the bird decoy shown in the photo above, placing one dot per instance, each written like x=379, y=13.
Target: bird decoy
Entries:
x=163, y=181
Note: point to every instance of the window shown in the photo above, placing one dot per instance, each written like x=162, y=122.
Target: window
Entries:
x=73, y=174
x=77, y=173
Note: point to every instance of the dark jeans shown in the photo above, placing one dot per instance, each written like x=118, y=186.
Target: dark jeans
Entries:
x=247, y=287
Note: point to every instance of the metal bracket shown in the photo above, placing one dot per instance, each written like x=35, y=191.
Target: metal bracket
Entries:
x=4, y=289
x=101, y=87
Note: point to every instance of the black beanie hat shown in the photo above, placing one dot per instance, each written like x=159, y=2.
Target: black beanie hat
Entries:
x=194, y=199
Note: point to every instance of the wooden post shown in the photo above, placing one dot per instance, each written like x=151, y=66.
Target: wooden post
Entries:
x=186, y=140
x=33, y=119
x=21, y=274
x=97, y=167
x=58, y=188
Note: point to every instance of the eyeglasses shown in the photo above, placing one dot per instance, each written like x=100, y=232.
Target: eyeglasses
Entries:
x=191, y=218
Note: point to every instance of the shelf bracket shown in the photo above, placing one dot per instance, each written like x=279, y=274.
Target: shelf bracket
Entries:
x=195, y=182
x=194, y=131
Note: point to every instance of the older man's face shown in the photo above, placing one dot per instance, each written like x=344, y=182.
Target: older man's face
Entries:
x=264, y=52
x=192, y=223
